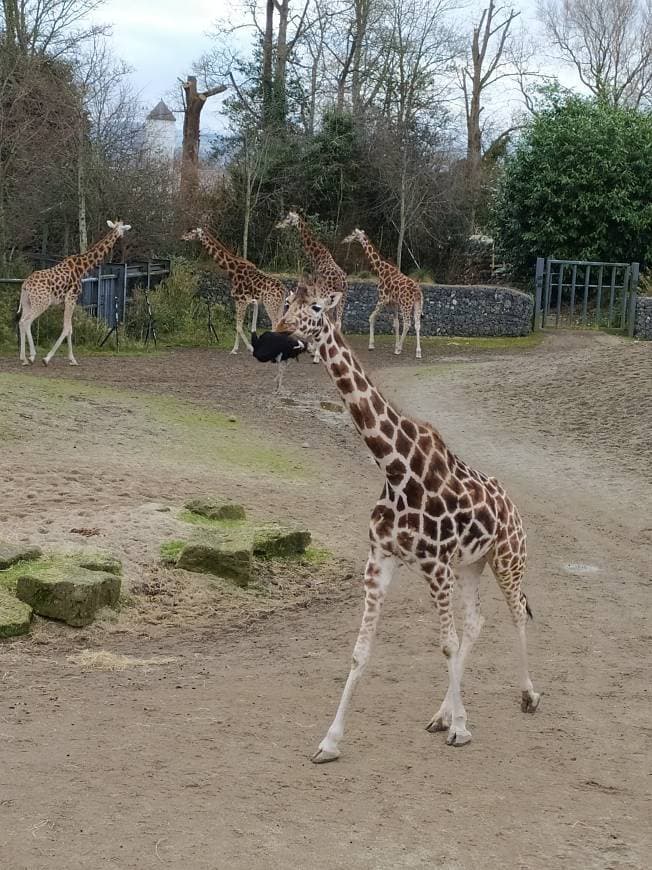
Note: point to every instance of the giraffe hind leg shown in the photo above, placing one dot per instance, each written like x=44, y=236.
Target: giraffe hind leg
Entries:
x=509, y=571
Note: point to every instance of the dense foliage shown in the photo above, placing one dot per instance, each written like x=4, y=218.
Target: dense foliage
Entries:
x=578, y=186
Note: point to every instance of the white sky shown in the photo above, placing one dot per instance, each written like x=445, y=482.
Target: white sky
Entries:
x=160, y=40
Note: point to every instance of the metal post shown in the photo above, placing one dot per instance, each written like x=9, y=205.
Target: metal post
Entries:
x=572, y=298
x=633, y=299
x=626, y=284
x=599, y=296
x=560, y=290
x=612, y=296
x=587, y=278
x=546, y=299
x=538, y=291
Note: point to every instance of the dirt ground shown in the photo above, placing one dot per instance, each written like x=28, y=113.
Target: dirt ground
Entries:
x=200, y=759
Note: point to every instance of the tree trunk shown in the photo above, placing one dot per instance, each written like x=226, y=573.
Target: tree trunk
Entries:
x=267, y=79
x=194, y=101
x=280, y=72
x=81, y=202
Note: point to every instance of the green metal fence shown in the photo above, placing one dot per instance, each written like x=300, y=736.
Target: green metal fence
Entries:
x=581, y=294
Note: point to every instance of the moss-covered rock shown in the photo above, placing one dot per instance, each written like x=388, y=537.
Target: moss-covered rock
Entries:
x=274, y=540
x=68, y=592
x=12, y=553
x=216, y=509
x=15, y=616
x=226, y=553
x=98, y=561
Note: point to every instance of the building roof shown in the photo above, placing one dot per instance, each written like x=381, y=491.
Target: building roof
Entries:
x=160, y=112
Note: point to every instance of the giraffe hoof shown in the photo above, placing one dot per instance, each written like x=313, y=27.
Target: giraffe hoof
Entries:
x=45, y=361
x=322, y=756
x=530, y=701
x=24, y=362
x=234, y=352
x=437, y=724
x=73, y=362
x=458, y=737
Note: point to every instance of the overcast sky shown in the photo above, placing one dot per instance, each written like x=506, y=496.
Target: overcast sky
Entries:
x=160, y=39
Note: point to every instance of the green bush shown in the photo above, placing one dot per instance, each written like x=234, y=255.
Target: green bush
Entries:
x=179, y=313
x=578, y=186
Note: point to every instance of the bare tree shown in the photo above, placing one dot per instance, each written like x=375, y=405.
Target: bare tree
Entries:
x=48, y=27
x=487, y=63
x=193, y=103
x=608, y=43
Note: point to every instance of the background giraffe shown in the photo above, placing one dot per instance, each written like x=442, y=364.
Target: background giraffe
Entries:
x=248, y=284
x=331, y=277
x=436, y=515
x=394, y=288
x=57, y=285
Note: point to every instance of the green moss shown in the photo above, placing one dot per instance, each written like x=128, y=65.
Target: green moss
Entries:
x=69, y=593
x=170, y=550
x=198, y=520
x=15, y=616
x=215, y=509
x=91, y=561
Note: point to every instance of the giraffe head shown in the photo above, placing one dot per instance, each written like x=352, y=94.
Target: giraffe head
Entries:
x=291, y=220
x=356, y=236
x=118, y=227
x=196, y=234
x=305, y=315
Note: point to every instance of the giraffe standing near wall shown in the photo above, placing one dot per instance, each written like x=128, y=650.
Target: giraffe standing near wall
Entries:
x=248, y=284
x=436, y=515
x=395, y=289
x=58, y=285
x=331, y=277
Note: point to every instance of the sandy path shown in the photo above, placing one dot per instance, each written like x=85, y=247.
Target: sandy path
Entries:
x=202, y=763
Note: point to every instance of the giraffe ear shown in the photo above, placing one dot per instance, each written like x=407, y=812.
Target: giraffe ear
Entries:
x=110, y=224
x=333, y=301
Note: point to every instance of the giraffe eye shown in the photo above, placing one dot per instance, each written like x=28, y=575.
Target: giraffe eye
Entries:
x=316, y=308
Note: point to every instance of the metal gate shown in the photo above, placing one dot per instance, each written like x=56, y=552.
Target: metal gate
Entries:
x=581, y=293
x=104, y=294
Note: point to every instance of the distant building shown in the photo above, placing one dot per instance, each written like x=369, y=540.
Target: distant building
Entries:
x=161, y=133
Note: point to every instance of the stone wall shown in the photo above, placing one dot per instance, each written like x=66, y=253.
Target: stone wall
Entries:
x=643, y=322
x=447, y=310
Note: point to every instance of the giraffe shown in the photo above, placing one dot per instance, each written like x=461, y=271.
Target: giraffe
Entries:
x=394, y=288
x=248, y=284
x=332, y=278
x=57, y=285
x=436, y=515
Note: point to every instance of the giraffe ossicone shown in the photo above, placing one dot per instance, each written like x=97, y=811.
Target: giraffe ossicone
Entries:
x=435, y=514
x=61, y=284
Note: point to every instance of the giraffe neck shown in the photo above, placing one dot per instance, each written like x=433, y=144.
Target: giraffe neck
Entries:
x=228, y=261
x=96, y=254
x=315, y=250
x=374, y=417
x=375, y=260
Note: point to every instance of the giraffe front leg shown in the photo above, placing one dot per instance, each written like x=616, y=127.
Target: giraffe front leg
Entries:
x=397, y=344
x=378, y=575
x=240, y=310
x=406, y=326
x=372, y=320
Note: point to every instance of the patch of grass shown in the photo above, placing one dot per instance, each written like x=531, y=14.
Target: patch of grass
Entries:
x=189, y=432
x=199, y=520
x=92, y=561
x=170, y=550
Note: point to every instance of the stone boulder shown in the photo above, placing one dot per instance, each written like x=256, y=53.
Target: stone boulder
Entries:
x=70, y=593
x=15, y=616
x=227, y=553
x=10, y=554
x=279, y=540
x=215, y=509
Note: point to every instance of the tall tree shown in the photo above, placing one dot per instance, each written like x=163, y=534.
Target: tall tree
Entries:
x=609, y=42
x=193, y=104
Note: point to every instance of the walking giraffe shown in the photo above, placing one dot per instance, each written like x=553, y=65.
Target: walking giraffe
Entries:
x=248, y=284
x=436, y=514
x=57, y=285
x=394, y=288
x=332, y=278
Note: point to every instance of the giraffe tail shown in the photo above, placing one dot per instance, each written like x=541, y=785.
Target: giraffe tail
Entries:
x=528, y=609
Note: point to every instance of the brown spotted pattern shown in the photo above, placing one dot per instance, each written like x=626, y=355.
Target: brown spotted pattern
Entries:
x=395, y=290
x=61, y=285
x=435, y=514
x=248, y=284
